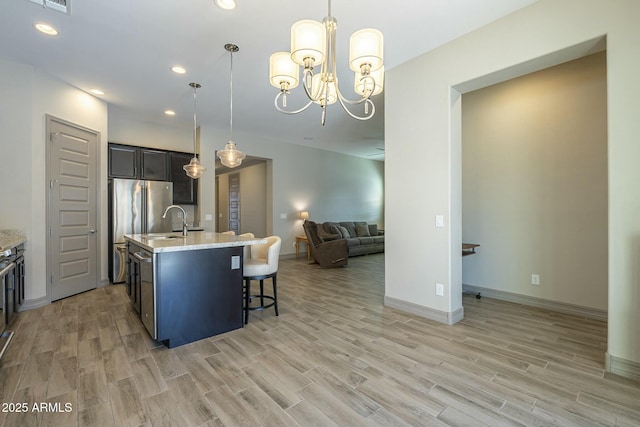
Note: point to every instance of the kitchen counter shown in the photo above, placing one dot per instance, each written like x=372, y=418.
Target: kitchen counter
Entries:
x=174, y=242
x=9, y=239
x=187, y=288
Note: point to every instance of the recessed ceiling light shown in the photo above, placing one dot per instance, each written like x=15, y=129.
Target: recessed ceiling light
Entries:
x=46, y=29
x=96, y=92
x=225, y=4
x=170, y=112
x=178, y=69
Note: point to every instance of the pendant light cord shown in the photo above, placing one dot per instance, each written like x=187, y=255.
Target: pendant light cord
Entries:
x=231, y=99
x=194, y=122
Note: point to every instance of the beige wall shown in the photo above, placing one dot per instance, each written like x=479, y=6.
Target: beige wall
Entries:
x=27, y=97
x=426, y=92
x=534, y=183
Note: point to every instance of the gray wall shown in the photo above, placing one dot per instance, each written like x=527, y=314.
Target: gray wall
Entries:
x=534, y=183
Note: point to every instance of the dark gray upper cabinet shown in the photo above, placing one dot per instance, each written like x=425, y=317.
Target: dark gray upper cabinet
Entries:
x=185, y=189
x=123, y=161
x=153, y=165
x=126, y=161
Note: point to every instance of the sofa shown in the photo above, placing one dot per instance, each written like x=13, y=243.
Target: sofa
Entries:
x=361, y=238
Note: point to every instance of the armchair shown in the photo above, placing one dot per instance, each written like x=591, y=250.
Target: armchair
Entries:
x=334, y=253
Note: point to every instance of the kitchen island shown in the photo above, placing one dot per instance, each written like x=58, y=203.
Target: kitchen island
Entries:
x=186, y=288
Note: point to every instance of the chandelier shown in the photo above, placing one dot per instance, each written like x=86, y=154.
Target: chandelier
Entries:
x=313, y=44
x=194, y=169
x=230, y=156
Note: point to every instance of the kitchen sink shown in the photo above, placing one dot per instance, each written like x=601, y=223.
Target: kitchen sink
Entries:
x=161, y=237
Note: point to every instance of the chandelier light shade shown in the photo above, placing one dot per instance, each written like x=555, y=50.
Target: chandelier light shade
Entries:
x=194, y=169
x=283, y=72
x=313, y=44
x=308, y=43
x=363, y=85
x=230, y=156
x=323, y=88
x=365, y=50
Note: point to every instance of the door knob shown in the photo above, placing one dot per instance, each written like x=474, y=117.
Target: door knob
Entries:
x=92, y=231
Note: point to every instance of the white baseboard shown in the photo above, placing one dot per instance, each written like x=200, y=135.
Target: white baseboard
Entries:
x=623, y=367
x=30, y=304
x=445, y=317
x=560, y=307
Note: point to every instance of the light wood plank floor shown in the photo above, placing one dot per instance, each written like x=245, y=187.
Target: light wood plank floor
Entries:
x=334, y=356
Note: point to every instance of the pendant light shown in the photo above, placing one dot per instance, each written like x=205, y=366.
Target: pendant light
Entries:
x=231, y=156
x=194, y=169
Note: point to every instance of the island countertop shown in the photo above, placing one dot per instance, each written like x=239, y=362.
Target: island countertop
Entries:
x=9, y=239
x=174, y=242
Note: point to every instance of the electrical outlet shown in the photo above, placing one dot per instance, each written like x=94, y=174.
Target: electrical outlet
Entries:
x=535, y=279
x=294, y=244
x=439, y=289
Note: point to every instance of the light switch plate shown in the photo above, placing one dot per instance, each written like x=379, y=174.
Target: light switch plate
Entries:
x=208, y=217
x=235, y=262
x=283, y=216
x=439, y=220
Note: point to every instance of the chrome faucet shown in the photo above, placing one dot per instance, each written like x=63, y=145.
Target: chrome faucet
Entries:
x=184, y=218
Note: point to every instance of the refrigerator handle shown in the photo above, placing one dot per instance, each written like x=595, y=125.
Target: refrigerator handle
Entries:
x=143, y=204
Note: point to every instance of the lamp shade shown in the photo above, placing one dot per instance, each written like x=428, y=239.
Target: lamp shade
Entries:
x=283, y=72
x=366, y=49
x=308, y=41
x=194, y=169
x=304, y=215
x=371, y=85
x=319, y=84
x=230, y=156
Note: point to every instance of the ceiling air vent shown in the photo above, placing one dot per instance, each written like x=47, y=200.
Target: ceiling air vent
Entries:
x=63, y=6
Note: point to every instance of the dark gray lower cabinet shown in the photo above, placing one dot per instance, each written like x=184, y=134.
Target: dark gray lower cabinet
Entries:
x=190, y=295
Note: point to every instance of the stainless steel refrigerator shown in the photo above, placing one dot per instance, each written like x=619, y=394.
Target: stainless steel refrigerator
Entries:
x=135, y=207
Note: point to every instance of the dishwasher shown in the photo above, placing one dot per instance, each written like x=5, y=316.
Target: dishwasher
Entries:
x=147, y=291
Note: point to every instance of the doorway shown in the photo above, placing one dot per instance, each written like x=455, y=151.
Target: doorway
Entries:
x=243, y=198
x=534, y=188
x=72, y=213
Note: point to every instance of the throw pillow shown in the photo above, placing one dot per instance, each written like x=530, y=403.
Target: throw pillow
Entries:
x=325, y=237
x=343, y=232
x=373, y=229
x=362, y=229
x=331, y=229
x=351, y=228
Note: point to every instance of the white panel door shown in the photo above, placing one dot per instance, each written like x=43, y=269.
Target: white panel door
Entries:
x=72, y=209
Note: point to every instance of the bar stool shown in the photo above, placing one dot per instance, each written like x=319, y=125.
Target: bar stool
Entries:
x=260, y=264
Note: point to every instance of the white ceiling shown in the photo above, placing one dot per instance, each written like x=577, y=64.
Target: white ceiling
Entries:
x=127, y=47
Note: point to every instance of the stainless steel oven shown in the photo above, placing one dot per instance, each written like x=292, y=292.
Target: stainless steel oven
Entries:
x=7, y=287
